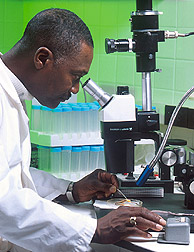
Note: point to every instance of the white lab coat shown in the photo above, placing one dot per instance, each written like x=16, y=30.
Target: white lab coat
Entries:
x=28, y=217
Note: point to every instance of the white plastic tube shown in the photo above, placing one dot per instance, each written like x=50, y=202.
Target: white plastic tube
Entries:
x=94, y=157
x=55, y=160
x=35, y=118
x=66, y=161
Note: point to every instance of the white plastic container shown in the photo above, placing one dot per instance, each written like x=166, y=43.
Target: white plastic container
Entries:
x=75, y=162
x=66, y=119
x=46, y=119
x=43, y=158
x=35, y=118
x=94, y=123
x=85, y=118
x=66, y=161
x=84, y=162
x=55, y=160
x=101, y=163
x=94, y=157
x=56, y=118
x=76, y=120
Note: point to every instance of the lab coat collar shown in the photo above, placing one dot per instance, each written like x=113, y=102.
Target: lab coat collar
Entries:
x=20, y=88
x=9, y=89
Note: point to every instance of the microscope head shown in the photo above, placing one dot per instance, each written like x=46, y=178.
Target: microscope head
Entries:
x=119, y=107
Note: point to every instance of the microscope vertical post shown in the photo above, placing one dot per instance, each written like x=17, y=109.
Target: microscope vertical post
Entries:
x=146, y=92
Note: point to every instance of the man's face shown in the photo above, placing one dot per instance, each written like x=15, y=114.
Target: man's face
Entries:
x=63, y=79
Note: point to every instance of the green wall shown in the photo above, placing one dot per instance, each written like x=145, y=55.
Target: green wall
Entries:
x=104, y=18
x=110, y=18
x=11, y=23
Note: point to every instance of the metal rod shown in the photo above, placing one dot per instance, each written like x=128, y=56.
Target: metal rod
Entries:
x=170, y=124
x=146, y=92
x=119, y=191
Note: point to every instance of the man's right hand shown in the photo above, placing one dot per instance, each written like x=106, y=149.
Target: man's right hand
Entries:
x=116, y=226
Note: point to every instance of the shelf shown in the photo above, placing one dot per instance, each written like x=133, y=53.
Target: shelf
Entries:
x=73, y=139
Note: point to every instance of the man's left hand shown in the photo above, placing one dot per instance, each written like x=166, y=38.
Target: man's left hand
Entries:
x=97, y=185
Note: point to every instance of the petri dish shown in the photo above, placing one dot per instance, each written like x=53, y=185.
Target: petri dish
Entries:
x=125, y=202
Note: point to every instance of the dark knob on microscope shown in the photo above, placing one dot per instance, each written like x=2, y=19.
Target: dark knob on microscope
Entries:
x=122, y=90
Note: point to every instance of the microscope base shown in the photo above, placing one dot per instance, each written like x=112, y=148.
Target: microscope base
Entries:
x=168, y=185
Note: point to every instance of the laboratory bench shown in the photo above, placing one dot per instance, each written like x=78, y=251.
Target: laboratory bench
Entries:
x=171, y=202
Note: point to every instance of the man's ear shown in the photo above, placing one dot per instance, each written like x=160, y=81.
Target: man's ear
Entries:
x=42, y=57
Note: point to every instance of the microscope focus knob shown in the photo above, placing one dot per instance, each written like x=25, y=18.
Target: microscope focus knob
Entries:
x=122, y=90
x=191, y=187
x=169, y=158
x=189, y=194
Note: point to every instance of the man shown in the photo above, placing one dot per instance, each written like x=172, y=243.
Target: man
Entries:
x=55, y=51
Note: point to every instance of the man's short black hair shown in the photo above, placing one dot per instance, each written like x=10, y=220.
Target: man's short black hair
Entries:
x=60, y=30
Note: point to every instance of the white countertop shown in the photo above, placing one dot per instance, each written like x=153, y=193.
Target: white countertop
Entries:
x=147, y=244
x=153, y=245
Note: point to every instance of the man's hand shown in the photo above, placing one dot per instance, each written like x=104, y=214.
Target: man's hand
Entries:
x=99, y=184
x=116, y=226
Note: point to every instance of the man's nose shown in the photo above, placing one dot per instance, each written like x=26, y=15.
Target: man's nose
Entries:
x=75, y=89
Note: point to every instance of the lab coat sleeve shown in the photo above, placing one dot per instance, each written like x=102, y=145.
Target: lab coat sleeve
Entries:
x=39, y=224
x=47, y=185
x=35, y=223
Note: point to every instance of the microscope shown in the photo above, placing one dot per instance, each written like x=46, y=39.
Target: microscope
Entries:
x=121, y=122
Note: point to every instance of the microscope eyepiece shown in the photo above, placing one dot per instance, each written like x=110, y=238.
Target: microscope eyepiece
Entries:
x=97, y=92
x=119, y=45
